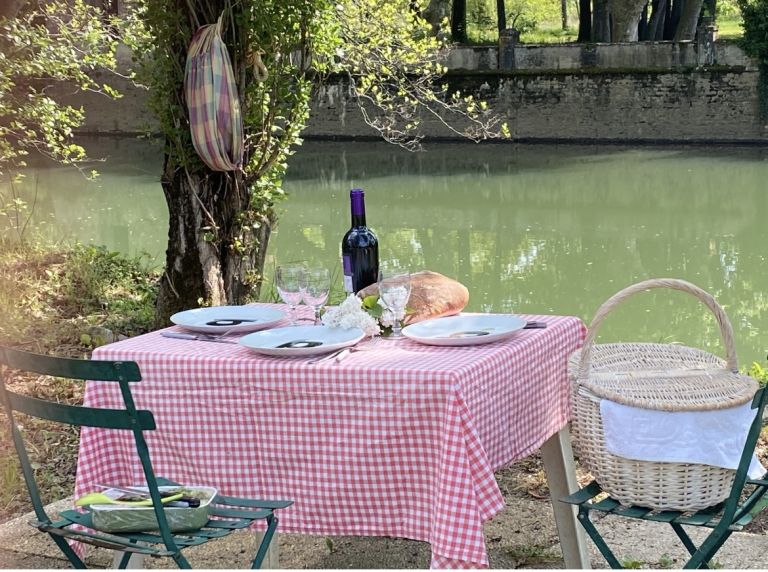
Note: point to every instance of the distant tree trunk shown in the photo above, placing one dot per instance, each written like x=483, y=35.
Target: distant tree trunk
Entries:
x=642, y=25
x=9, y=8
x=585, y=21
x=436, y=11
x=689, y=19
x=601, y=23
x=673, y=17
x=459, y=21
x=658, y=16
x=563, y=13
x=710, y=9
x=501, y=15
x=625, y=15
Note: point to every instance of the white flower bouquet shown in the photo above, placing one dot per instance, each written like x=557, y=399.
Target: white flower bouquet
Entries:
x=370, y=314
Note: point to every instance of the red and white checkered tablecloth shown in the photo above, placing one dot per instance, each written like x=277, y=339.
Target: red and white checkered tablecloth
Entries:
x=400, y=440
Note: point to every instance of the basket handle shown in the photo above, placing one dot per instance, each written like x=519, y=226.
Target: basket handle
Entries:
x=726, y=331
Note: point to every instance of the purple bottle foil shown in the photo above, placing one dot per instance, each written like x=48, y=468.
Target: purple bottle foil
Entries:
x=357, y=199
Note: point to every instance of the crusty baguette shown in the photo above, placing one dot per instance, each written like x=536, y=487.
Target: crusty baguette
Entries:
x=432, y=296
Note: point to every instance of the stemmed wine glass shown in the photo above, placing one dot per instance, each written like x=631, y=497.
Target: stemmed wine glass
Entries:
x=394, y=290
x=316, y=286
x=289, y=281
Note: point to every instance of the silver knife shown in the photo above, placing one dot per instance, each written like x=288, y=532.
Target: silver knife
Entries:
x=197, y=337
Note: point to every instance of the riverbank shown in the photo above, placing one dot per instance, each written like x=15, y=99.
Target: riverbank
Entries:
x=638, y=92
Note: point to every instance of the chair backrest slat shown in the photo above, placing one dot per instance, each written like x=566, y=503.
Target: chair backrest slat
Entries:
x=68, y=367
x=131, y=419
x=78, y=415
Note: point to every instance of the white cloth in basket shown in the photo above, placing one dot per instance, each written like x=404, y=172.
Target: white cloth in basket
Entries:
x=705, y=437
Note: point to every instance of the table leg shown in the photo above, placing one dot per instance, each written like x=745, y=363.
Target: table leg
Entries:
x=559, y=466
x=271, y=560
x=135, y=563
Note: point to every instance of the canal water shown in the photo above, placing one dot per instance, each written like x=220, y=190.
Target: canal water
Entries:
x=528, y=229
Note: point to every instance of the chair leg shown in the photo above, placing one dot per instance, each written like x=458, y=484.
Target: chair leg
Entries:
x=68, y=552
x=684, y=538
x=180, y=561
x=265, y=542
x=708, y=549
x=124, y=561
x=593, y=533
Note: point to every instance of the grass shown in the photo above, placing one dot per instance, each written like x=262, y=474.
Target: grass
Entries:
x=61, y=301
x=485, y=33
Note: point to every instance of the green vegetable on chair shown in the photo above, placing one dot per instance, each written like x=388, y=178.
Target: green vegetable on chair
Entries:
x=100, y=498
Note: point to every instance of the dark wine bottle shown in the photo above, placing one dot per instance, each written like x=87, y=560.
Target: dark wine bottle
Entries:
x=359, y=248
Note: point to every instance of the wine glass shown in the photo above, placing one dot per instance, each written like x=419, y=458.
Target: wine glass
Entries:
x=289, y=281
x=394, y=291
x=316, y=286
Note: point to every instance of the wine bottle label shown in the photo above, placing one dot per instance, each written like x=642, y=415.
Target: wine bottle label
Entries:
x=346, y=265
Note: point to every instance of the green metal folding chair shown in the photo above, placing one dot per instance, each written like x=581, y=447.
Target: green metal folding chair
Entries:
x=227, y=514
x=743, y=503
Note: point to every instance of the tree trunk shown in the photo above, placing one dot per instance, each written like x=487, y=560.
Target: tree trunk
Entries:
x=563, y=14
x=625, y=15
x=501, y=15
x=436, y=11
x=601, y=27
x=673, y=17
x=642, y=25
x=585, y=21
x=9, y=8
x=689, y=19
x=656, y=25
x=203, y=266
x=459, y=21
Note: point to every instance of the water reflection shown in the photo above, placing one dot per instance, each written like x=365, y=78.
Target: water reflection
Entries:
x=526, y=229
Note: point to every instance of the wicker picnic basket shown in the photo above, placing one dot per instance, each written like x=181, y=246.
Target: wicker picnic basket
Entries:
x=662, y=377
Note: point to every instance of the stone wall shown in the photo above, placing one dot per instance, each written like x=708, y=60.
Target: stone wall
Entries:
x=662, y=91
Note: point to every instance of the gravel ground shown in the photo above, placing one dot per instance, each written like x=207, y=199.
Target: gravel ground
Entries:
x=522, y=536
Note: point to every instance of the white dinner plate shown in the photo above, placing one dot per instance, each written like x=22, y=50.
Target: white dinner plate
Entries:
x=464, y=330
x=301, y=340
x=231, y=319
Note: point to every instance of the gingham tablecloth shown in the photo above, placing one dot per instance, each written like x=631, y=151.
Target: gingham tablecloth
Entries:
x=400, y=440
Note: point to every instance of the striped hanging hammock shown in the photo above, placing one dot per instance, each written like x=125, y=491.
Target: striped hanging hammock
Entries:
x=214, y=107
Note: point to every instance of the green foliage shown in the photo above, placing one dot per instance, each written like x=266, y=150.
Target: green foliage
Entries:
x=755, y=43
x=727, y=10
x=394, y=64
x=666, y=561
x=60, y=301
x=755, y=40
x=759, y=373
x=49, y=43
x=532, y=556
x=53, y=298
x=119, y=291
x=529, y=17
x=632, y=563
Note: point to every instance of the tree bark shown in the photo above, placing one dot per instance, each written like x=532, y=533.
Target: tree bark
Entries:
x=689, y=19
x=585, y=21
x=642, y=25
x=601, y=28
x=625, y=15
x=9, y=8
x=563, y=14
x=673, y=17
x=459, y=21
x=202, y=263
x=658, y=16
x=436, y=11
